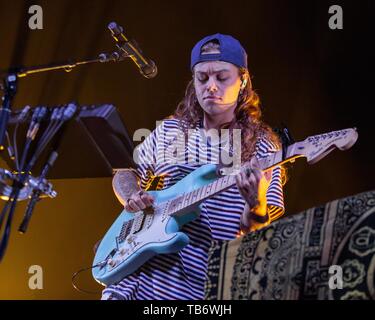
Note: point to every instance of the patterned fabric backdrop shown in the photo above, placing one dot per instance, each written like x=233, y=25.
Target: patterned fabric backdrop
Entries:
x=301, y=257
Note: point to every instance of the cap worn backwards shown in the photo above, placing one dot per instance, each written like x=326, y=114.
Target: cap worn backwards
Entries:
x=231, y=51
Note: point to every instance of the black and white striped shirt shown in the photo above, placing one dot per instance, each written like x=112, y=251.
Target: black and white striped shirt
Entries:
x=182, y=275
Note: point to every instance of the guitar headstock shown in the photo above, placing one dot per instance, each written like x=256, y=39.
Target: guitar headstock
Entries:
x=317, y=147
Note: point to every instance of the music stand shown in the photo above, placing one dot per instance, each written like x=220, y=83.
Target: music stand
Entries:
x=95, y=144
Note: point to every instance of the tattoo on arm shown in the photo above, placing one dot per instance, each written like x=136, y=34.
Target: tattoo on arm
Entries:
x=124, y=184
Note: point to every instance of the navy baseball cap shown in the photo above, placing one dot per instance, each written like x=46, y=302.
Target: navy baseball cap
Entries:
x=231, y=51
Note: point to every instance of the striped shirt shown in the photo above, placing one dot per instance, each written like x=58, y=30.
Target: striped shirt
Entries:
x=182, y=275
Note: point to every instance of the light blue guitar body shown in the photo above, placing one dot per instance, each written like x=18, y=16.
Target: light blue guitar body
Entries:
x=150, y=233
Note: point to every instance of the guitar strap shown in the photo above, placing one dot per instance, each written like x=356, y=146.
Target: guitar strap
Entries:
x=155, y=182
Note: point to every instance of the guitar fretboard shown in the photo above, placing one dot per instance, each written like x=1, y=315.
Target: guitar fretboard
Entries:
x=196, y=196
x=221, y=184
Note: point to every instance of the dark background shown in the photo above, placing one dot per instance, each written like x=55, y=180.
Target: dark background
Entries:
x=308, y=76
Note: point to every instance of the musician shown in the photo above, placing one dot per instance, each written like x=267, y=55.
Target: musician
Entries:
x=220, y=95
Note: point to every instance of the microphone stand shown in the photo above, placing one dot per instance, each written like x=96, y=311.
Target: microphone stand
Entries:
x=67, y=66
x=12, y=201
x=59, y=117
x=11, y=76
x=37, y=192
x=18, y=184
x=9, y=88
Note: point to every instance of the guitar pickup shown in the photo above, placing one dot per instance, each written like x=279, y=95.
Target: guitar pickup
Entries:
x=138, y=222
x=125, y=231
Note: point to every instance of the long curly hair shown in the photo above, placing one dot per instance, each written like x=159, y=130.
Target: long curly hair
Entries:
x=247, y=114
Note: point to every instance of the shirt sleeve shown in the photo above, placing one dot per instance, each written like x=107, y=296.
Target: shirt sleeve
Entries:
x=145, y=156
x=275, y=194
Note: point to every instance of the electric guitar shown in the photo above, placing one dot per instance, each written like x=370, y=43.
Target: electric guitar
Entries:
x=134, y=238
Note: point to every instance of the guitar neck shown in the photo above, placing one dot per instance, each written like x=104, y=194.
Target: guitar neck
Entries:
x=313, y=148
x=226, y=182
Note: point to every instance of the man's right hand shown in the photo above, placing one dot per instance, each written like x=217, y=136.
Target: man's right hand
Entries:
x=138, y=201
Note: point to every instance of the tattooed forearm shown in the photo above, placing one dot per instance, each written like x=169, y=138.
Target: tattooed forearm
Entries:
x=124, y=184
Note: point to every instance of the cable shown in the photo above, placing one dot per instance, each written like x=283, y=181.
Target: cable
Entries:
x=85, y=269
x=10, y=148
x=48, y=132
x=31, y=133
x=62, y=115
x=16, y=160
x=3, y=212
x=13, y=200
x=21, y=118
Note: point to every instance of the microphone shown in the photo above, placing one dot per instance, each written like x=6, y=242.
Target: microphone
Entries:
x=147, y=67
x=37, y=117
x=23, y=114
x=36, y=193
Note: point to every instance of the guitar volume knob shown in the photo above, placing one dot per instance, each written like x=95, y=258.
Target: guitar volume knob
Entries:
x=112, y=262
x=122, y=251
